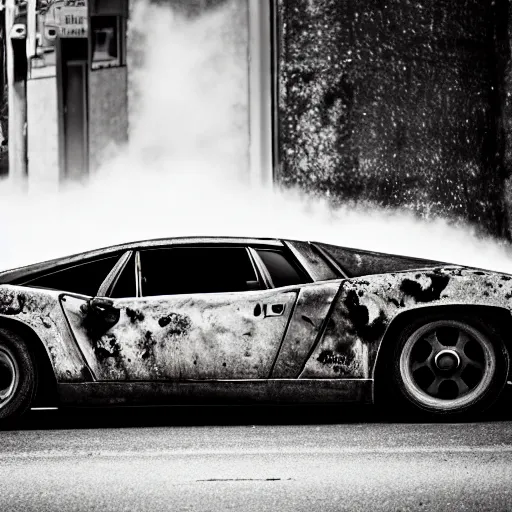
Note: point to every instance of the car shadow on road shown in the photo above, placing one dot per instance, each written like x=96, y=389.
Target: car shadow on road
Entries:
x=210, y=415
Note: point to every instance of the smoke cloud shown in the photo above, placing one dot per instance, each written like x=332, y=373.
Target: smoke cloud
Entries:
x=184, y=172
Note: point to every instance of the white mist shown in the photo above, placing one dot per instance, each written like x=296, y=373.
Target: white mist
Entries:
x=184, y=171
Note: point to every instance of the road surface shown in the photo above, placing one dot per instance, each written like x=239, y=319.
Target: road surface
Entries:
x=215, y=459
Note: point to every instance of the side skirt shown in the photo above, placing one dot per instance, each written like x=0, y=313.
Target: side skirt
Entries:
x=299, y=391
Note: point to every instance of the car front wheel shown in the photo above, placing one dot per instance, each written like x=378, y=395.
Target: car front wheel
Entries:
x=449, y=366
x=18, y=377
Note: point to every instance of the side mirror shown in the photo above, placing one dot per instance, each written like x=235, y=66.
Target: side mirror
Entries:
x=101, y=304
x=100, y=314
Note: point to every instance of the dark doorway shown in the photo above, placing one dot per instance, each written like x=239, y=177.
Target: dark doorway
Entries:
x=75, y=120
x=73, y=108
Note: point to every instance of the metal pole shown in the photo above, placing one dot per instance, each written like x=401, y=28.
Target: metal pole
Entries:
x=17, y=107
x=260, y=94
x=31, y=28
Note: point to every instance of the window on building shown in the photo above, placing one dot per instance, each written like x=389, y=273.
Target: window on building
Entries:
x=196, y=270
x=107, y=41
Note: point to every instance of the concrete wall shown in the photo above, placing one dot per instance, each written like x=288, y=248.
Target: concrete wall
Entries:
x=398, y=103
x=504, y=61
x=108, y=113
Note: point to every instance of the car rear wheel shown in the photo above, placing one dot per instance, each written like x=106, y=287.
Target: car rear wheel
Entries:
x=449, y=366
x=18, y=377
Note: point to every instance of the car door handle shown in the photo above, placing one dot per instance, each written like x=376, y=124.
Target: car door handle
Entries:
x=273, y=309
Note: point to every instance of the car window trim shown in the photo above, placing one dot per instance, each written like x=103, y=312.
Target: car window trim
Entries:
x=330, y=260
x=138, y=275
x=259, y=279
x=262, y=268
x=288, y=256
x=107, y=286
x=302, y=262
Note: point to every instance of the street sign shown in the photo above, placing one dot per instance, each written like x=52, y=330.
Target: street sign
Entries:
x=74, y=21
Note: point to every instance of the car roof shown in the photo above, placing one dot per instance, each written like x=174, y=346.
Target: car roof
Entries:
x=15, y=274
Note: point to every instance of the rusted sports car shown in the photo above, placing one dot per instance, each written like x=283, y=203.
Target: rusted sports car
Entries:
x=231, y=320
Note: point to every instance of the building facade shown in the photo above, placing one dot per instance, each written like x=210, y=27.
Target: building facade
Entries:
x=71, y=63
x=68, y=82
x=401, y=104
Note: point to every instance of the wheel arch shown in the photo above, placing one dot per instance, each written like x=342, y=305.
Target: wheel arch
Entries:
x=46, y=394
x=497, y=319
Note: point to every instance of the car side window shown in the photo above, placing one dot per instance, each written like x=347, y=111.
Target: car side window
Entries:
x=84, y=278
x=181, y=270
x=282, y=271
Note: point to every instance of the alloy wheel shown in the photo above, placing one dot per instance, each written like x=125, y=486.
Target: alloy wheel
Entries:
x=9, y=376
x=447, y=365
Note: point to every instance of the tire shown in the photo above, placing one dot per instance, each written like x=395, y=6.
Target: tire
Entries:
x=449, y=366
x=18, y=376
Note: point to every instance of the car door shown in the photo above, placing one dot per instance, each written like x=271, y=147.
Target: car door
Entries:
x=200, y=313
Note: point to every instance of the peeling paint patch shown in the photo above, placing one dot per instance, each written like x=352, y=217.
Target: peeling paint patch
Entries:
x=177, y=324
x=107, y=346
x=359, y=317
x=12, y=303
x=46, y=321
x=146, y=345
x=53, y=354
x=135, y=315
x=341, y=364
x=329, y=357
x=432, y=292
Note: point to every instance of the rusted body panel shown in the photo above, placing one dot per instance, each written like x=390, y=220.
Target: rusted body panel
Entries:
x=201, y=336
x=40, y=310
x=308, y=318
x=366, y=306
x=261, y=391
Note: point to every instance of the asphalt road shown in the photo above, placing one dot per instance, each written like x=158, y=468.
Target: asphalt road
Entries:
x=275, y=459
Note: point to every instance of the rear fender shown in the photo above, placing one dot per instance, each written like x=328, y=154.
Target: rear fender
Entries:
x=367, y=306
